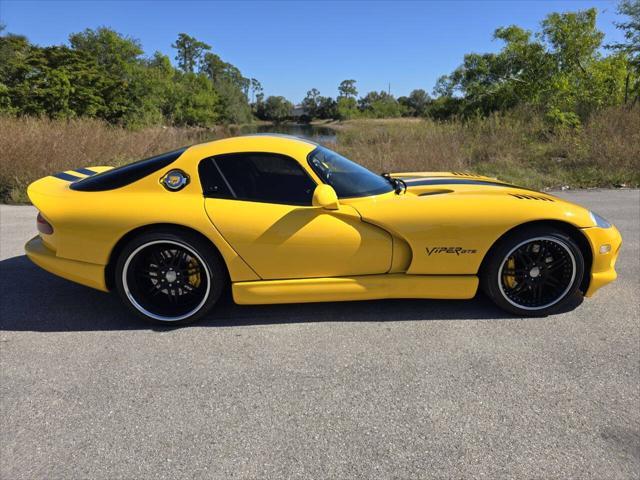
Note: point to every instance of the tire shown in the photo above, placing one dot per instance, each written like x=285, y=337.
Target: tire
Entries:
x=169, y=277
x=536, y=271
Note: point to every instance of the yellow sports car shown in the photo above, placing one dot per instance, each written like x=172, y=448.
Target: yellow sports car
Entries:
x=282, y=219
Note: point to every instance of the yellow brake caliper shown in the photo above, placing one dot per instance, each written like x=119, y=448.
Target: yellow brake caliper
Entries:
x=510, y=280
x=194, y=273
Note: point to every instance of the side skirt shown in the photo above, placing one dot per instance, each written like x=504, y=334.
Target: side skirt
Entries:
x=364, y=287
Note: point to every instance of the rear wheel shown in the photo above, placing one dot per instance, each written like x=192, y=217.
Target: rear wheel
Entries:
x=169, y=278
x=534, y=272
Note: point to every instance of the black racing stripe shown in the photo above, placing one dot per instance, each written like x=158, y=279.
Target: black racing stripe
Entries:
x=85, y=171
x=463, y=181
x=66, y=176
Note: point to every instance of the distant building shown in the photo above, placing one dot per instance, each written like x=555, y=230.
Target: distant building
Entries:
x=297, y=111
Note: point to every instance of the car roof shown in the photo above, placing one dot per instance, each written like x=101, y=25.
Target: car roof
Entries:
x=265, y=139
x=281, y=135
x=284, y=144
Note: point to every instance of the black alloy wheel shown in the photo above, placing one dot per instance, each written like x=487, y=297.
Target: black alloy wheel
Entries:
x=168, y=278
x=533, y=272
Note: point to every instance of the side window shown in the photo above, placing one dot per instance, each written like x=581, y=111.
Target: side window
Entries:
x=259, y=177
x=213, y=185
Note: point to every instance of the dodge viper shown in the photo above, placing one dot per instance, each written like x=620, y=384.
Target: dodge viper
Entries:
x=281, y=219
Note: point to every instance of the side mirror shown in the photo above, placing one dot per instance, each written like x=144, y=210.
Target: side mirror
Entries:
x=325, y=196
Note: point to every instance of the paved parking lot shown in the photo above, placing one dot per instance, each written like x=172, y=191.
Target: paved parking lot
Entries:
x=388, y=389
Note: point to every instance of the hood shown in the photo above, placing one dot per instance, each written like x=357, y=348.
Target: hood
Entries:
x=468, y=195
x=418, y=182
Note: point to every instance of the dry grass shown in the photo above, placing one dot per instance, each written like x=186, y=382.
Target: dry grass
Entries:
x=31, y=148
x=515, y=147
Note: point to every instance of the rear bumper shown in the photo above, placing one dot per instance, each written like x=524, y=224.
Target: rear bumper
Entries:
x=88, y=274
x=603, y=266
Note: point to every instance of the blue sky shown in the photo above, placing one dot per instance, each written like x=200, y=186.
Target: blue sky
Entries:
x=293, y=46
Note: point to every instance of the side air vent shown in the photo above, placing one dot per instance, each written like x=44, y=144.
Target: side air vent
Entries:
x=531, y=197
x=463, y=174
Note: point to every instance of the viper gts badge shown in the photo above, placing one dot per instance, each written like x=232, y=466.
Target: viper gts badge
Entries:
x=456, y=250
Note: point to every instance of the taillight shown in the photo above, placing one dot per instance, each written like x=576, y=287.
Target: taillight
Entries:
x=43, y=226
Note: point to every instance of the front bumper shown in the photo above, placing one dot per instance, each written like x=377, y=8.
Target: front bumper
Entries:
x=603, y=265
x=88, y=274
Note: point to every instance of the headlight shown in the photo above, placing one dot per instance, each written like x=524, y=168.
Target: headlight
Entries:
x=599, y=221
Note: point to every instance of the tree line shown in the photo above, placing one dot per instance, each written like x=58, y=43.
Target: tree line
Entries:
x=103, y=74
x=563, y=70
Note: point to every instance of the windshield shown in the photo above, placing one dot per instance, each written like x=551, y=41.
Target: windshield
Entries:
x=347, y=178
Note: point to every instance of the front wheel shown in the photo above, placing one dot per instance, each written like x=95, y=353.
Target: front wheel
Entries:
x=169, y=278
x=534, y=272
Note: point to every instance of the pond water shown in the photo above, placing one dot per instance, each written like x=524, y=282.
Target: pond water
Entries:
x=314, y=133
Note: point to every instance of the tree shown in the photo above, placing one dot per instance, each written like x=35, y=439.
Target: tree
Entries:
x=217, y=70
x=573, y=37
x=104, y=75
x=107, y=47
x=631, y=29
x=232, y=87
x=444, y=108
x=233, y=107
x=190, y=52
x=559, y=71
x=576, y=87
x=310, y=103
x=256, y=89
x=14, y=70
x=119, y=64
x=277, y=109
x=416, y=103
x=55, y=81
x=347, y=89
x=630, y=47
x=346, y=108
x=326, y=108
x=154, y=84
x=257, y=94
x=194, y=101
x=380, y=105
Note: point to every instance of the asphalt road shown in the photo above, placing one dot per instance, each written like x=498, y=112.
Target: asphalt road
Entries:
x=388, y=389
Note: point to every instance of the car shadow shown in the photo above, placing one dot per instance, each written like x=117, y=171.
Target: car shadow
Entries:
x=34, y=300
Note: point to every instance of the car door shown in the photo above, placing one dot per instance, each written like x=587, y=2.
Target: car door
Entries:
x=261, y=204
